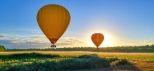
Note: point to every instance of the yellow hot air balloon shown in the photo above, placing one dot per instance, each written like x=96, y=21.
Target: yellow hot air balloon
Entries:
x=97, y=39
x=53, y=20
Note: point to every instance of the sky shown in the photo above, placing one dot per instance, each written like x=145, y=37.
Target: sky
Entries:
x=122, y=22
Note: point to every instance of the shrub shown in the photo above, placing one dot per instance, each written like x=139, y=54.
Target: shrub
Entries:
x=88, y=56
x=27, y=56
x=119, y=62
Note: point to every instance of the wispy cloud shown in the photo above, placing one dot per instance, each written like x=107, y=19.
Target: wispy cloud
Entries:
x=5, y=42
x=1, y=36
x=36, y=41
x=69, y=41
x=16, y=39
x=147, y=42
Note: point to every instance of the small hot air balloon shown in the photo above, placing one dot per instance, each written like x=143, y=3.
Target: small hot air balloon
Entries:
x=53, y=20
x=97, y=39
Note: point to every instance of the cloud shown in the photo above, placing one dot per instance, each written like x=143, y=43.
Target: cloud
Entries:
x=69, y=41
x=35, y=41
x=146, y=41
x=4, y=36
x=5, y=42
x=1, y=36
x=15, y=41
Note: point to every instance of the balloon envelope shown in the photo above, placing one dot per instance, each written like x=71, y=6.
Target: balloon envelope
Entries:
x=53, y=20
x=97, y=39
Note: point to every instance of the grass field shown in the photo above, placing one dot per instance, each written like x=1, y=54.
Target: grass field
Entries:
x=137, y=61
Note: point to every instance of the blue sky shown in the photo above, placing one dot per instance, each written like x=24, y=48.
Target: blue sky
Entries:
x=123, y=22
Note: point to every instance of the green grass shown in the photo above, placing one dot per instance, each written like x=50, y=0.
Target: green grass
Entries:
x=78, y=60
x=149, y=57
x=46, y=62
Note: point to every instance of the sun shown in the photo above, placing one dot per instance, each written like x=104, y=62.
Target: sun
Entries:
x=107, y=42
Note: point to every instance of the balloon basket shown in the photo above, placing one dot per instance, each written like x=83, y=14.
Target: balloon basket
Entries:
x=53, y=46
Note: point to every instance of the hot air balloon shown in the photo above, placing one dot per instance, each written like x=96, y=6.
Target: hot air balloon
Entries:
x=53, y=20
x=97, y=39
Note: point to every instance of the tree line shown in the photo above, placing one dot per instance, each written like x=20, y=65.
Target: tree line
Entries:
x=146, y=48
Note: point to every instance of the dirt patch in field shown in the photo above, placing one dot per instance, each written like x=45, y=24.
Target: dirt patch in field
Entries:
x=121, y=68
x=145, y=66
x=137, y=66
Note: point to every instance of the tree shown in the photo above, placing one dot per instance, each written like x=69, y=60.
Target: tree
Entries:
x=2, y=48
